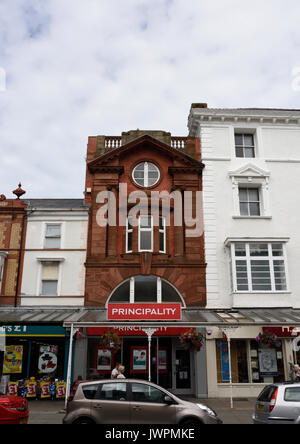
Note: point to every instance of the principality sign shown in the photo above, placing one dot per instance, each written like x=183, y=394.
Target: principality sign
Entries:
x=144, y=312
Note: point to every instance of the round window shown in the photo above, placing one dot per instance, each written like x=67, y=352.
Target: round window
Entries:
x=146, y=174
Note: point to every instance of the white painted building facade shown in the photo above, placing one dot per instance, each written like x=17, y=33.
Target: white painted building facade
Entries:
x=251, y=185
x=55, y=253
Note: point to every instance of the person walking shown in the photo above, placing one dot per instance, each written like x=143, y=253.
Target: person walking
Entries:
x=115, y=372
x=296, y=373
x=121, y=372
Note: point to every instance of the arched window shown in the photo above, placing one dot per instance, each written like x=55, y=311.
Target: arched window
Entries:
x=145, y=289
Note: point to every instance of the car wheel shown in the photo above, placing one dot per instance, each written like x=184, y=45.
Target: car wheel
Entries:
x=83, y=421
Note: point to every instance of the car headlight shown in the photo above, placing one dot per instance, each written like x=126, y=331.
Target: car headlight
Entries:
x=209, y=411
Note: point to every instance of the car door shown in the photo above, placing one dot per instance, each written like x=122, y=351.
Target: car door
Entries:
x=111, y=405
x=148, y=405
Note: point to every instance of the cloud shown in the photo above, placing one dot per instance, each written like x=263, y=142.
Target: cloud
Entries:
x=78, y=68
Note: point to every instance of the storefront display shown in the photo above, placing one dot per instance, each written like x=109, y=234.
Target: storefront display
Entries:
x=104, y=360
x=139, y=360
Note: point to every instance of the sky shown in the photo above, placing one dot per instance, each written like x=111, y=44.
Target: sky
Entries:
x=77, y=68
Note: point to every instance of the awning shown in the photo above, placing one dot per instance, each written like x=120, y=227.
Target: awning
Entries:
x=191, y=317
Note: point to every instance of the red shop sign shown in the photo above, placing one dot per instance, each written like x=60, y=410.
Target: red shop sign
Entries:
x=136, y=331
x=283, y=332
x=144, y=312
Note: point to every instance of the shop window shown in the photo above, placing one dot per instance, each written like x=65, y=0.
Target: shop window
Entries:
x=266, y=364
x=53, y=236
x=145, y=289
x=50, y=279
x=239, y=362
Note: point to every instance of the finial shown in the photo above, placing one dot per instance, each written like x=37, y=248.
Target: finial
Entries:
x=19, y=192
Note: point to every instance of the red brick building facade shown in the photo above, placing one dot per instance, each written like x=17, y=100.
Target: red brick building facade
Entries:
x=12, y=242
x=111, y=161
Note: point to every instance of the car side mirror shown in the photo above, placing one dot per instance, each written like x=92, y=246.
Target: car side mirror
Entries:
x=168, y=400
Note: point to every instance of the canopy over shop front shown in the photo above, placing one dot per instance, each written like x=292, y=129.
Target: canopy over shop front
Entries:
x=226, y=320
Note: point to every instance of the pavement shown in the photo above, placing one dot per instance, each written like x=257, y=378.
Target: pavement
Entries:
x=52, y=412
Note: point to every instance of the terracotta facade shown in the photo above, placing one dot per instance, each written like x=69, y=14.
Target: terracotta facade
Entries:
x=110, y=162
x=12, y=233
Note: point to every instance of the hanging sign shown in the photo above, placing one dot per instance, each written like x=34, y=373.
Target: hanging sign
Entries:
x=144, y=312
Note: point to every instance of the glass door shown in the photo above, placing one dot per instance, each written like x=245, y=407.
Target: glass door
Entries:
x=183, y=371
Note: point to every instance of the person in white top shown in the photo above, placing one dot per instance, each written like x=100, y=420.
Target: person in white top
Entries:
x=115, y=371
x=121, y=372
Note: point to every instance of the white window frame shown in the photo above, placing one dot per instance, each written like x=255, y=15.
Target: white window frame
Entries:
x=159, y=281
x=244, y=133
x=48, y=224
x=163, y=231
x=250, y=176
x=40, y=275
x=146, y=174
x=247, y=187
x=143, y=230
x=270, y=258
x=128, y=231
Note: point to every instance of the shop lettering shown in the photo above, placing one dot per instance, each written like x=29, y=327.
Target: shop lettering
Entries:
x=15, y=329
x=144, y=311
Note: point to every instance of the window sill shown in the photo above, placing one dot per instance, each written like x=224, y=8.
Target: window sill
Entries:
x=252, y=217
x=261, y=292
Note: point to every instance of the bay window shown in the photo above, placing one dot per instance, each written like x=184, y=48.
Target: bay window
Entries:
x=259, y=267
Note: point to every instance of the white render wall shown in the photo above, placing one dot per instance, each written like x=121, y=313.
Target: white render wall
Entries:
x=71, y=257
x=278, y=153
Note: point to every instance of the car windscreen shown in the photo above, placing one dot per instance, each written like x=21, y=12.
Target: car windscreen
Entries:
x=267, y=393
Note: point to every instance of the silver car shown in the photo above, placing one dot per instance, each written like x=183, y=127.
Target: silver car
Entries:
x=133, y=401
x=278, y=404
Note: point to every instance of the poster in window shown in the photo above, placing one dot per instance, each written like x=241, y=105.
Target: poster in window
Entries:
x=104, y=360
x=267, y=362
x=47, y=359
x=224, y=361
x=13, y=358
x=139, y=360
x=162, y=359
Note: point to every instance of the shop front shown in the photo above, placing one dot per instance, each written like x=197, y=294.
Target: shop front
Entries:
x=34, y=356
x=170, y=365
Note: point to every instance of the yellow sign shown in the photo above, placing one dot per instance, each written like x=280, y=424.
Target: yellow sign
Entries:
x=60, y=390
x=13, y=358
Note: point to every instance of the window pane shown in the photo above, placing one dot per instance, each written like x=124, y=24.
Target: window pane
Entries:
x=259, y=250
x=280, y=277
x=129, y=241
x=243, y=193
x=146, y=240
x=242, y=276
x=244, y=209
x=53, y=230
x=253, y=194
x=249, y=152
x=50, y=271
x=261, y=276
x=239, y=139
x=114, y=392
x=240, y=249
x=146, y=393
x=52, y=242
x=146, y=222
x=90, y=391
x=145, y=289
x=169, y=294
x=162, y=242
x=248, y=140
x=121, y=294
x=292, y=394
x=277, y=249
x=254, y=209
x=239, y=151
x=49, y=288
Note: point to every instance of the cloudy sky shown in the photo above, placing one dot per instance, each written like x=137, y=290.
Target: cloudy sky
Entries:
x=76, y=68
